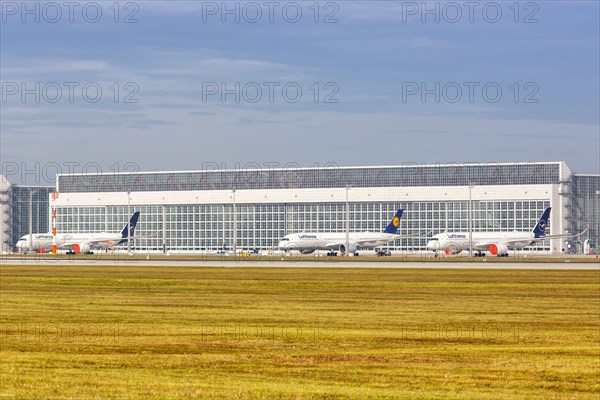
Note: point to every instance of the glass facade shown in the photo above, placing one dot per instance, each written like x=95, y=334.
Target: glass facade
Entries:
x=209, y=227
x=198, y=227
x=585, y=208
x=22, y=199
x=313, y=178
x=5, y=216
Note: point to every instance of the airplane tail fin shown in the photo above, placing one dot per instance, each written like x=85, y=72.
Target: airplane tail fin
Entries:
x=132, y=223
x=540, y=228
x=394, y=223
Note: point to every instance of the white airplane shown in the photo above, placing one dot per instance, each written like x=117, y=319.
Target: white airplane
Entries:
x=497, y=243
x=308, y=242
x=79, y=242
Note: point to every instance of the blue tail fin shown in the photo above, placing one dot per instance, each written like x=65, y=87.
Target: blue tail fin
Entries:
x=132, y=223
x=394, y=223
x=540, y=227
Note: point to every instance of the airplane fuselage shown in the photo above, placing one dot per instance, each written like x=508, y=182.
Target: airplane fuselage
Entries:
x=311, y=241
x=78, y=242
x=459, y=241
x=45, y=240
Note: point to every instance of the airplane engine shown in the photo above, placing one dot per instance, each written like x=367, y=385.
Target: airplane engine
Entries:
x=498, y=249
x=352, y=248
x=81, y=248
x=308, y=251
x=452, y=251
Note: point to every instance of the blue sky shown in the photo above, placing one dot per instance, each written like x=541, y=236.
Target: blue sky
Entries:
x=367, y=58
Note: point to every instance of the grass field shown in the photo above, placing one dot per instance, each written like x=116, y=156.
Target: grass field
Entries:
x=409, y=257
x=144, y=332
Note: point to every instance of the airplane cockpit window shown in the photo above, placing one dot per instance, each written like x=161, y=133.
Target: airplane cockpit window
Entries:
x=285, y=240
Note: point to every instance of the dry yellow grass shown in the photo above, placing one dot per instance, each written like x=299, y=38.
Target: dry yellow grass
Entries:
x=246, y=333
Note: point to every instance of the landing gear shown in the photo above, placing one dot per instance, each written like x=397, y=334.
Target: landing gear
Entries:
x=332, y=254
x=383, y=253
x=479, y=254
x=356, y=254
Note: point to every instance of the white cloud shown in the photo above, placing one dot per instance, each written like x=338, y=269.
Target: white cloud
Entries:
x=49, y=66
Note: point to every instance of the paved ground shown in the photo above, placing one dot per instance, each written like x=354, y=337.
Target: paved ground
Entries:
x=307, y=264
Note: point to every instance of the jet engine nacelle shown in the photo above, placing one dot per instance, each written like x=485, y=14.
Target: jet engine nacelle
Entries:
x=352, y=248
x=498, y=249
x=452, y=251
x=81, y=248
x=308, y=251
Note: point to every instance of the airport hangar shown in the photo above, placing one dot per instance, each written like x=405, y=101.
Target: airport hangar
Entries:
x=209, y=210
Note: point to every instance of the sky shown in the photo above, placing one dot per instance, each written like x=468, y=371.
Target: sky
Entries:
x=186, y=85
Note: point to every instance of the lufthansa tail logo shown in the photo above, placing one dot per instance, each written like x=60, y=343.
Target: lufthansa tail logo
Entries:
x=396, y=221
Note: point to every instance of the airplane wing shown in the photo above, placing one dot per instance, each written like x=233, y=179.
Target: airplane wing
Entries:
x=371, y=242
x=507, y=242
x=152, y=235
x=356, y=243
x=100, y=243
x=486, y=245
x=365, y=242
x=423, y=234
x=514, y=241
x=353, y=243
x=71, y=245
x=374, y=242
x=562, y=235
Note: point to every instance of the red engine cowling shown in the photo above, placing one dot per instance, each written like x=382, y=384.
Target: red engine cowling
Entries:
x=498, y=249
x=452, y=251
x=81, y=248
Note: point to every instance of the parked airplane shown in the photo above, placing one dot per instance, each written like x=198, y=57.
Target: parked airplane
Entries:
x=497, y=243
x=308, y=242
x=80, y=242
